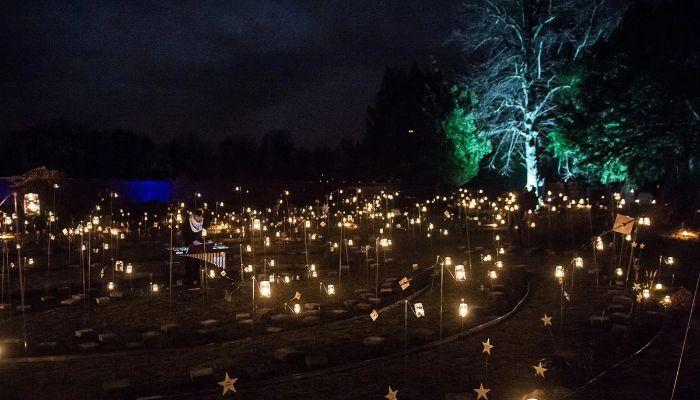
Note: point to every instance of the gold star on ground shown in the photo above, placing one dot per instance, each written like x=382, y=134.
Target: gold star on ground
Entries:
x=487, y=346
x=539, y=369
x=227, y=384
x=392, y=394
x=481, y=392
x=546, y=319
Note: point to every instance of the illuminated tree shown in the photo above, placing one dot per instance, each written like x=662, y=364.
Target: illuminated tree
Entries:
x=516, y=50
x=634, y=113
x=467, y=146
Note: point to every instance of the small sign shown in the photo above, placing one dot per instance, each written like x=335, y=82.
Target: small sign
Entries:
x=374, y=315
x=404, y=283
x=297, y=296
x=623, y=224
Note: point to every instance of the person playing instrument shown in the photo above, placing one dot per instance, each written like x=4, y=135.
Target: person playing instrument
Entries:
x=192, y=234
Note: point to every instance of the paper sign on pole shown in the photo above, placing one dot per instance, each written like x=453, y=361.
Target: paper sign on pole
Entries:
x=404, y=283
x=623, y=224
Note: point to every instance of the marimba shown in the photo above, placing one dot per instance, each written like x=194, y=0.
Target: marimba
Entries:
x=211, y=253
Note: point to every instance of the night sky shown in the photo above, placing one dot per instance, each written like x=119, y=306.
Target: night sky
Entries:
x=214, y=68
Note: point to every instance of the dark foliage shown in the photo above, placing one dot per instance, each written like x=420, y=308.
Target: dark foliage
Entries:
x=635, y=113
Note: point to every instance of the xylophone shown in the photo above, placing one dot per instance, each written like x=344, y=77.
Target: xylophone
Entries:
x=211, y=253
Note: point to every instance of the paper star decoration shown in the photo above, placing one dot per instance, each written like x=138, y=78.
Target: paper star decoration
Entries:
x=391, y=395
x=481, y=392
x=487, y=346
x=639, y=297
x=227, y=384
x=637, y=287
x=539, y=369
x=546, y=319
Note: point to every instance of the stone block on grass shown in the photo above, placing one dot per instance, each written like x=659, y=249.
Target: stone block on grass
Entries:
x=107, y=338
x=199, y=375
x=87, y=333
x=88, y=347
x=102, y=300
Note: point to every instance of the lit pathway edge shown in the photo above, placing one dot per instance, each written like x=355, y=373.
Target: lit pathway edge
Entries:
x=72, y=357
x=363, y=363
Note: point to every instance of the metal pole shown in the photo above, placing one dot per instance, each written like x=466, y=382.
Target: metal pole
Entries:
x=685, y=339
x=376, y=268
x=405, y=325
x=442, y=274
x=171, y=259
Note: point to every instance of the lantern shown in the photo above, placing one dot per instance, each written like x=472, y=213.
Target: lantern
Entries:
x=420, y=311
x=297, y=308
x=463, y=309
x=331, y=290
x=460, y=273
x=31, y=204
x=559, y=272
x=265, y=290
x=578, y=262
x=599, y=244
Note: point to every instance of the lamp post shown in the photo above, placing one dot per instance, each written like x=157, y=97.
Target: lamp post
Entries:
x=559, y=274
x=418, y=311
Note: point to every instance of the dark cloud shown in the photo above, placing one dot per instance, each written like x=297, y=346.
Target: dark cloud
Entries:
x=210, y=67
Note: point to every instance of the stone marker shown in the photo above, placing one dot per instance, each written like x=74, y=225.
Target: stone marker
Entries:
x=116, y=385
x=102, y=300
x=88, y=346
x=201, y=374
x=242, y=316
x=285, y=353
x=314, y=361
x=169, y=327
x=83, y=333
x=107, y=337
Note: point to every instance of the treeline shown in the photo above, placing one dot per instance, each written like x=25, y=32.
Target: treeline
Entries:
x=624, y=112
x=81, y=152
x=405, y=142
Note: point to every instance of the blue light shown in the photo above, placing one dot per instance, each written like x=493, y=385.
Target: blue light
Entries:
x=148, y=191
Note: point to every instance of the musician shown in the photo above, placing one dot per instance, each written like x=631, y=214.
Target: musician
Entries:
x=192, y=234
